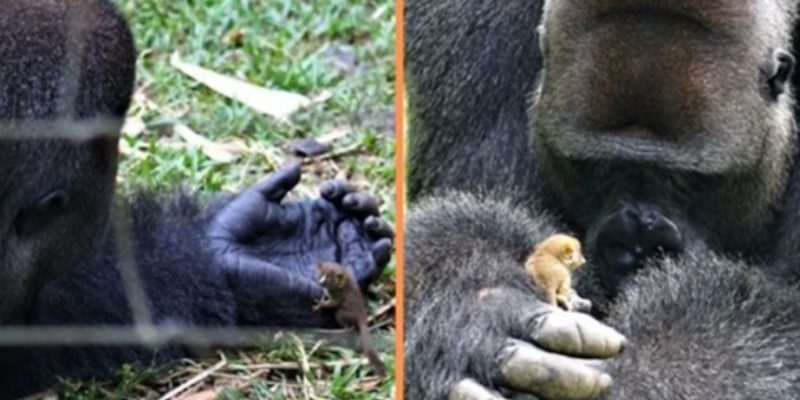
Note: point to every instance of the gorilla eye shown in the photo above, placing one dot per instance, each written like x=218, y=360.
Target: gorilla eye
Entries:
x=53, y=201
x=42, y=212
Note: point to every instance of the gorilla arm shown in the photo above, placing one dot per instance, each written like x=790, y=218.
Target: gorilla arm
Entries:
x=468, y=89
x=193, y=274
x=474, y=321
x=701, y=327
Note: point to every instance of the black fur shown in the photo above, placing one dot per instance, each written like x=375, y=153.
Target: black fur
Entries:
x=475, y=109
x=705, y=326
x=183, y=283
x=450, y=335
x=39, y=50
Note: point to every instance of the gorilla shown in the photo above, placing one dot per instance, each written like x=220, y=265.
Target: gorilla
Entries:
x=660, y=133
x=69, y=246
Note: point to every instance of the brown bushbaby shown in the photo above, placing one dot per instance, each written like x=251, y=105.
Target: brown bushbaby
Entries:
x=343, y=294
x=551, y=265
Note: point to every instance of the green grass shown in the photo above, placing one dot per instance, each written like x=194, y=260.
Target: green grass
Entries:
x=341, y=48
x=288, y=45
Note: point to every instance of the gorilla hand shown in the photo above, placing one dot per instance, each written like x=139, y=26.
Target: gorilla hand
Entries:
x=270, y=248
x=528, y=348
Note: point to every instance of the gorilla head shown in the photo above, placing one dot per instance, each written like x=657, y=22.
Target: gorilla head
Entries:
x=656, y=121
x=58, y=137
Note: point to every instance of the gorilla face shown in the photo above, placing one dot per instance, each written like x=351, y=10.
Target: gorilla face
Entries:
x=54, y=202
x=673, y=112
x=59, y=101
x=680, y=84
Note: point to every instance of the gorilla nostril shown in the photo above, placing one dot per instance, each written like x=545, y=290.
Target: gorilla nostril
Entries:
x=620, y=258
x=665, y=236
x=648, y=219
x=629, y=213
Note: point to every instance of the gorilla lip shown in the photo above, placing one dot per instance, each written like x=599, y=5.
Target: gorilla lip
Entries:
x=653, y=13
x=633, y=144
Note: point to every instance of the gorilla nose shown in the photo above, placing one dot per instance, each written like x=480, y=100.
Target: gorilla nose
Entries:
x=620, y=257
x=633, y=233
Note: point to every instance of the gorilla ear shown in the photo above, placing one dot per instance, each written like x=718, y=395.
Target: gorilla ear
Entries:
x=779, y=70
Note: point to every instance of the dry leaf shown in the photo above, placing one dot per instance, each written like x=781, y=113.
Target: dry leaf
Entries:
x=124, y=148
x=204, y=395
x=277, y=103
x=133, y=126
x=219, y=152
x=142, y=101
x=368, y=385
x=48, y=395
x=335, y=134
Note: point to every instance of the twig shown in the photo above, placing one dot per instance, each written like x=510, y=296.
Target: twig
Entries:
x=381, y=310
x=333, y=155
x=301, y=347
x=293, y=365
x=196, y=379
x=382, y=324
x=48, y=395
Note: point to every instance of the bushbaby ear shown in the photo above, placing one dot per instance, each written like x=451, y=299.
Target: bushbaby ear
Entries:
x=320, y=274
x=341, y=276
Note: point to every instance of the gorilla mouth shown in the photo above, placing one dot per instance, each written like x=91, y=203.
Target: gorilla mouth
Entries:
x=652, y=13
x=632, y=143
x=647, y=81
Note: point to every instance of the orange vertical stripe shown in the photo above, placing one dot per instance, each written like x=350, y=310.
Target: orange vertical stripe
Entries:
x=400, y=194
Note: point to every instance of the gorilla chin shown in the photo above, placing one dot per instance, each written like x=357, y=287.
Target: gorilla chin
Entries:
x=641, y=95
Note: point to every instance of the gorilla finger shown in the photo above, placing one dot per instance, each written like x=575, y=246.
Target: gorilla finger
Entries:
x=576, y=334
x=521, y=396
x=361, y=203
x=276, y=186
x=354, y=251
x=382, y=251
x=468, y=389
x=548, y=375
x=378, y=228
x=335, y=191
